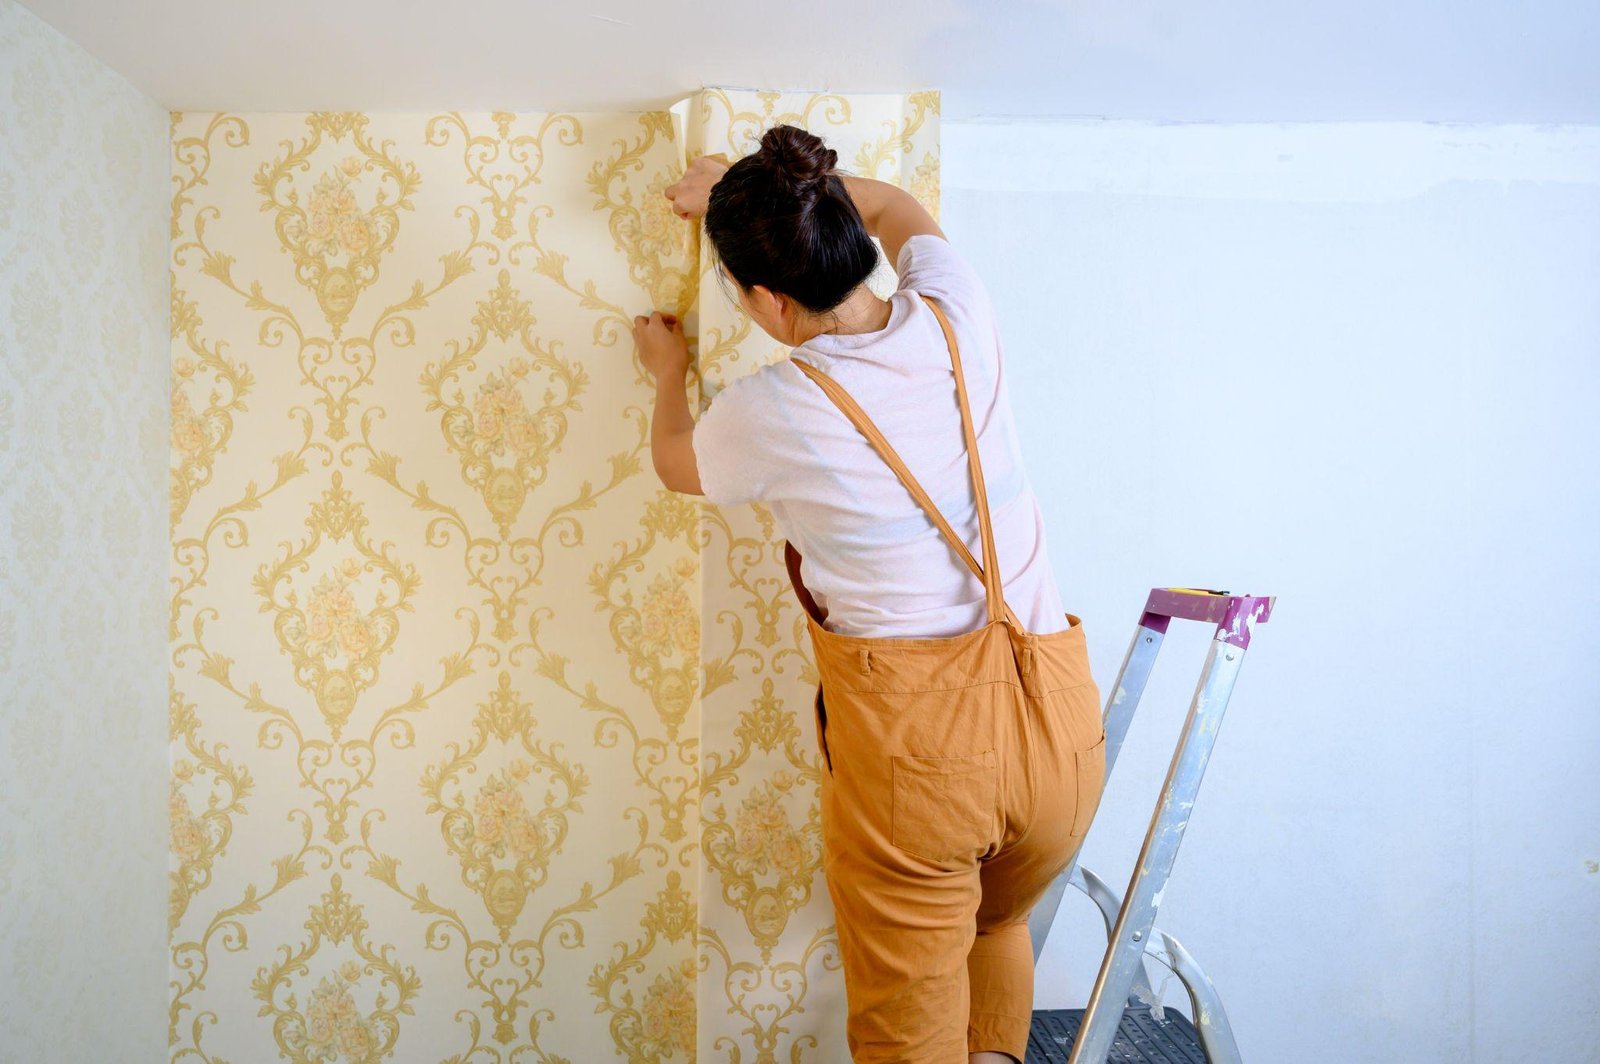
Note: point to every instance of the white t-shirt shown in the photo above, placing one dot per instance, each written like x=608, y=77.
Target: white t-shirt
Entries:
x=871, y=557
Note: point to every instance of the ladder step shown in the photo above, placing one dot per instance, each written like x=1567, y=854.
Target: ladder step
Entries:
x=1141, y=1038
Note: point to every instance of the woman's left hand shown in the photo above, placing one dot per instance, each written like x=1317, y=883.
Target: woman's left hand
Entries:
x=662, y=347
x=691, y=193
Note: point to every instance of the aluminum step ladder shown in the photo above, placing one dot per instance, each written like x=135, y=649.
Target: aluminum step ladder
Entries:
x=1120, y=1025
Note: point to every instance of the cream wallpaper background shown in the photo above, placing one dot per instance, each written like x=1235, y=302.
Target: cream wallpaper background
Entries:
x=484, y=746
x=83, y=354
x=769, y=987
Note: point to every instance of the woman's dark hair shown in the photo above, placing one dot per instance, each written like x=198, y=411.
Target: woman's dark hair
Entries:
x=782, y=218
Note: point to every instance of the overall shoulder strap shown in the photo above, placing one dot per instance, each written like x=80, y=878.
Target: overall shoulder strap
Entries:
x=989, y=571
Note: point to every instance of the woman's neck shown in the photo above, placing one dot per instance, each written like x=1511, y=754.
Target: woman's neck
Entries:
x=861, y=312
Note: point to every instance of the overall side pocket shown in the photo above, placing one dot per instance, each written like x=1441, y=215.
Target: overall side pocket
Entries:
x=943, y=808
x=819, y=717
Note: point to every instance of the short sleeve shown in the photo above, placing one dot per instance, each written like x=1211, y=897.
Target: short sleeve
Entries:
x=931, y=265
x=725, y=451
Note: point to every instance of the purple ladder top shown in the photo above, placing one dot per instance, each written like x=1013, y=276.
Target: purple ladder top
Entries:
x=1234, y=615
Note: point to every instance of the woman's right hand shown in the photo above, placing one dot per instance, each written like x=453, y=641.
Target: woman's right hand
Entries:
x=690, y=193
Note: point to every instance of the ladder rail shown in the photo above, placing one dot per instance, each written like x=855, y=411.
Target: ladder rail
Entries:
x=1210, y=1018
x=1116, y=718
x=1122, y=979
x=1158, y=854
x=1109, y=902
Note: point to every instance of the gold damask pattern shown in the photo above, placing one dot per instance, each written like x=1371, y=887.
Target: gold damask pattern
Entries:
x=485, y=747
x=769, y=983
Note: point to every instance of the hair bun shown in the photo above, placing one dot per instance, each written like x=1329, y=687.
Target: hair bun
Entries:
x=799, y=158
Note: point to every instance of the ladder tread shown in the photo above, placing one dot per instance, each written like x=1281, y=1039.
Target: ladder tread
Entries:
x=1141, y=1038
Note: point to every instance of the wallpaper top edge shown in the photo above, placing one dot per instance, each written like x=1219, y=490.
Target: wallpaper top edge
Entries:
x=670, y=104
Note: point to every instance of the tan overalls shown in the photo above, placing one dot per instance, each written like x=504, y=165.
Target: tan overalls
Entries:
x=960, y=776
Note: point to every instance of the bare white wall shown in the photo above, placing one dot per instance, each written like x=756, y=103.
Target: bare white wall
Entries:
x=1357, y=367
x=83, y=459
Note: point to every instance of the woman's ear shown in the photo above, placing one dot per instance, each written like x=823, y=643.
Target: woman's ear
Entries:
x=763, y=299
x=772, y=311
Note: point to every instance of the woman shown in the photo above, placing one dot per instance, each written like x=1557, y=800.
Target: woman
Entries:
x=963, y=751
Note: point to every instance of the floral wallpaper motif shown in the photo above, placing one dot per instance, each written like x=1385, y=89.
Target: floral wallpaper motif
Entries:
x=83, y=440
x=769, y=982
x=484, y=746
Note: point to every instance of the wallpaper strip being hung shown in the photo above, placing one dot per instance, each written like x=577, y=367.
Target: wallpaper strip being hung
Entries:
x=769, y=982
x=453, y=777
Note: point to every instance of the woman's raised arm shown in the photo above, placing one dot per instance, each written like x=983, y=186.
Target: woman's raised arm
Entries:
x=891, y=214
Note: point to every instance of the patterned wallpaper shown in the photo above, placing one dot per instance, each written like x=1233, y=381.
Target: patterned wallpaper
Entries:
x=769, y=987
x=83, y=352
x=484, y=746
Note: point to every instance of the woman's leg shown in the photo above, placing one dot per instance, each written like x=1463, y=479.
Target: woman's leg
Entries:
x=1000, y=964
x=1000, y=981
x=905, y=929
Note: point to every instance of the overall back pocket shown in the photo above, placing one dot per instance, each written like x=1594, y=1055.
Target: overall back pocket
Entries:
x=944, y=808
x=1091, y=769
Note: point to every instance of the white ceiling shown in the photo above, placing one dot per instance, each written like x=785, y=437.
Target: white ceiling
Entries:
x=1229, y=60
